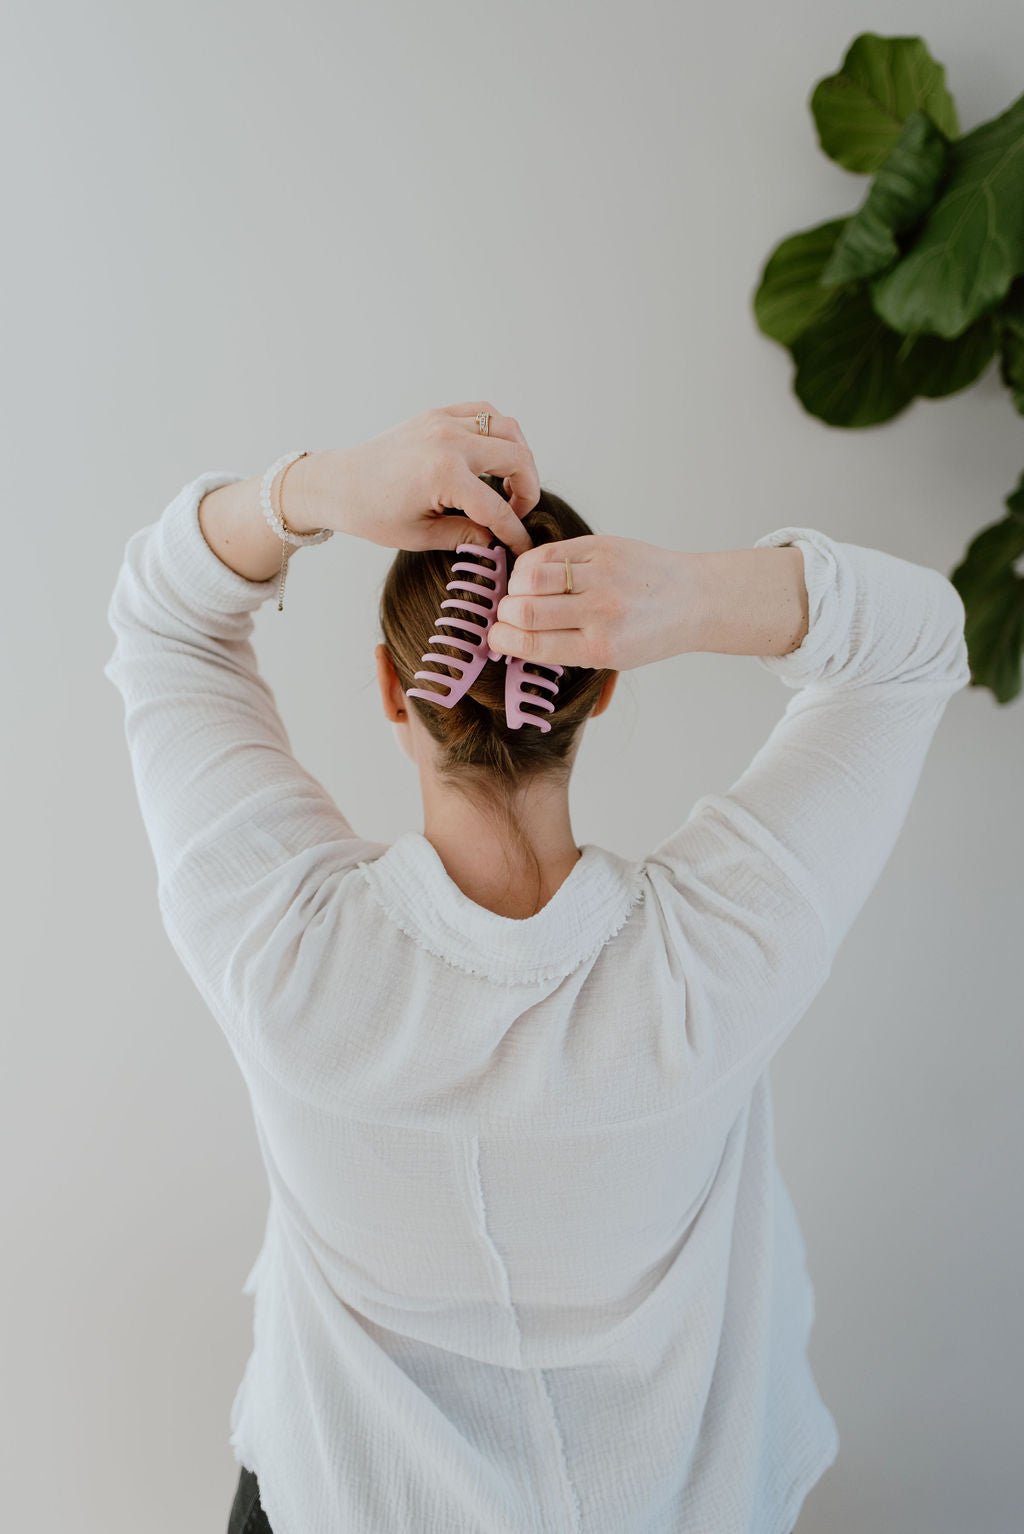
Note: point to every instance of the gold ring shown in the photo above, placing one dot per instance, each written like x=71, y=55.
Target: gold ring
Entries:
x=483, y=422
x=568, y=578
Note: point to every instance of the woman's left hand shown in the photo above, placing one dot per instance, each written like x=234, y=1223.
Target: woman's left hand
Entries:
x=394, y=489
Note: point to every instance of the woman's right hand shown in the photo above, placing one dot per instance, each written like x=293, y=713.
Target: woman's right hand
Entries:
x=631, y=603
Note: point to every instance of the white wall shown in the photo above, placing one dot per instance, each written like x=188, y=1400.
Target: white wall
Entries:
x=233, y=229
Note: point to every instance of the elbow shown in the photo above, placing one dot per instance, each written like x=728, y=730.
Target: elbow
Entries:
x=953, y=657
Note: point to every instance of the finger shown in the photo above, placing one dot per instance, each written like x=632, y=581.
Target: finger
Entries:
x=553, y=647
x=485, y=506
x=522, y=483
x=506, y=459
x=559, y=611
x=469, y=407
x=541, y=570
x=447, y=532
x=498, y=426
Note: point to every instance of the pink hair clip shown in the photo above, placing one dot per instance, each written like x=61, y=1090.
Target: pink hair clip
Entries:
x=491, y=563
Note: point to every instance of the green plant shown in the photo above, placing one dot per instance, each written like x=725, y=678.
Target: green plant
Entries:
x=916, y=292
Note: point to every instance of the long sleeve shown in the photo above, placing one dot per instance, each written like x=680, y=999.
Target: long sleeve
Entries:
x=246, y=842
x=777, y=868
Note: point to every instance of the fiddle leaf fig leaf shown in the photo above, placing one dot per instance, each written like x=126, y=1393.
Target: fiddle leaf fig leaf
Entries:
x=971, y=245
x=915, y=293
x=847, y=373
x=860, y=111
x=1010, y=322
x=993, y=598
x=901, y=193
x=933, y=367
x=789, y=297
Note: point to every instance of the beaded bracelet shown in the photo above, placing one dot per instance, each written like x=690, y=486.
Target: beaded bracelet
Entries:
x=277, y=522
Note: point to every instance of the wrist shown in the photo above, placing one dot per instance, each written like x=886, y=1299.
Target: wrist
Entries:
x=297, y=497
x=691, y=603
x=752, y=601
x=314, y=495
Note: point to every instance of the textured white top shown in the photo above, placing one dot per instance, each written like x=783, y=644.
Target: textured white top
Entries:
x=529, y=1264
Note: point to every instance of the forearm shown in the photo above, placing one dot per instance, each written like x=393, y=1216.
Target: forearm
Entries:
x=232, y=521
x=752, y=601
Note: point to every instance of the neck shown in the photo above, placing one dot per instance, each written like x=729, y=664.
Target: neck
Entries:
x=485, y=863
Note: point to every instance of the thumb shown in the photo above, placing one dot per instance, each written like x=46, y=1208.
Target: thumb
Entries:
x=451, y=531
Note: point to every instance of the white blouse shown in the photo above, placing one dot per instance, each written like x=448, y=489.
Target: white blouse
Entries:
x=529, y=1264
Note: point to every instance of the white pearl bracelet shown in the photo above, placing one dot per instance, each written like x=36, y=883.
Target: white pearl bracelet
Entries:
x=274, y=520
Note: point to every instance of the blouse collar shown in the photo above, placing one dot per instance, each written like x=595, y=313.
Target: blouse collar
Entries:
x=413, y=886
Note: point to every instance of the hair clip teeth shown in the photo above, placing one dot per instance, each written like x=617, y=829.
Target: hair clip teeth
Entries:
x=484, y=605
x=516, y=698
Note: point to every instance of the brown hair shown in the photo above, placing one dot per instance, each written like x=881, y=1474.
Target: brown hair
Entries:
x=479, y=754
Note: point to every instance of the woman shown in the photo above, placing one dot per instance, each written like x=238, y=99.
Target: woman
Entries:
x=529, y=1263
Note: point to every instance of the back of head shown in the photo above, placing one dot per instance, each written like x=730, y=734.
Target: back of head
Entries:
x=478, y=753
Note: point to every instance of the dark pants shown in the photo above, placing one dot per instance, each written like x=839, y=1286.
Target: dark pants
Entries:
x=247, y=1516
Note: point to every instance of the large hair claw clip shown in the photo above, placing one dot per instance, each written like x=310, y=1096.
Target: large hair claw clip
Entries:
x=491, y=564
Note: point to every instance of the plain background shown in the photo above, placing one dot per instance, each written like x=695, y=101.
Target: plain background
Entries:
x=236, y=229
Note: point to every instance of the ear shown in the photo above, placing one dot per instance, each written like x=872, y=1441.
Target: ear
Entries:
x=391, y=694
x=605, y=695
